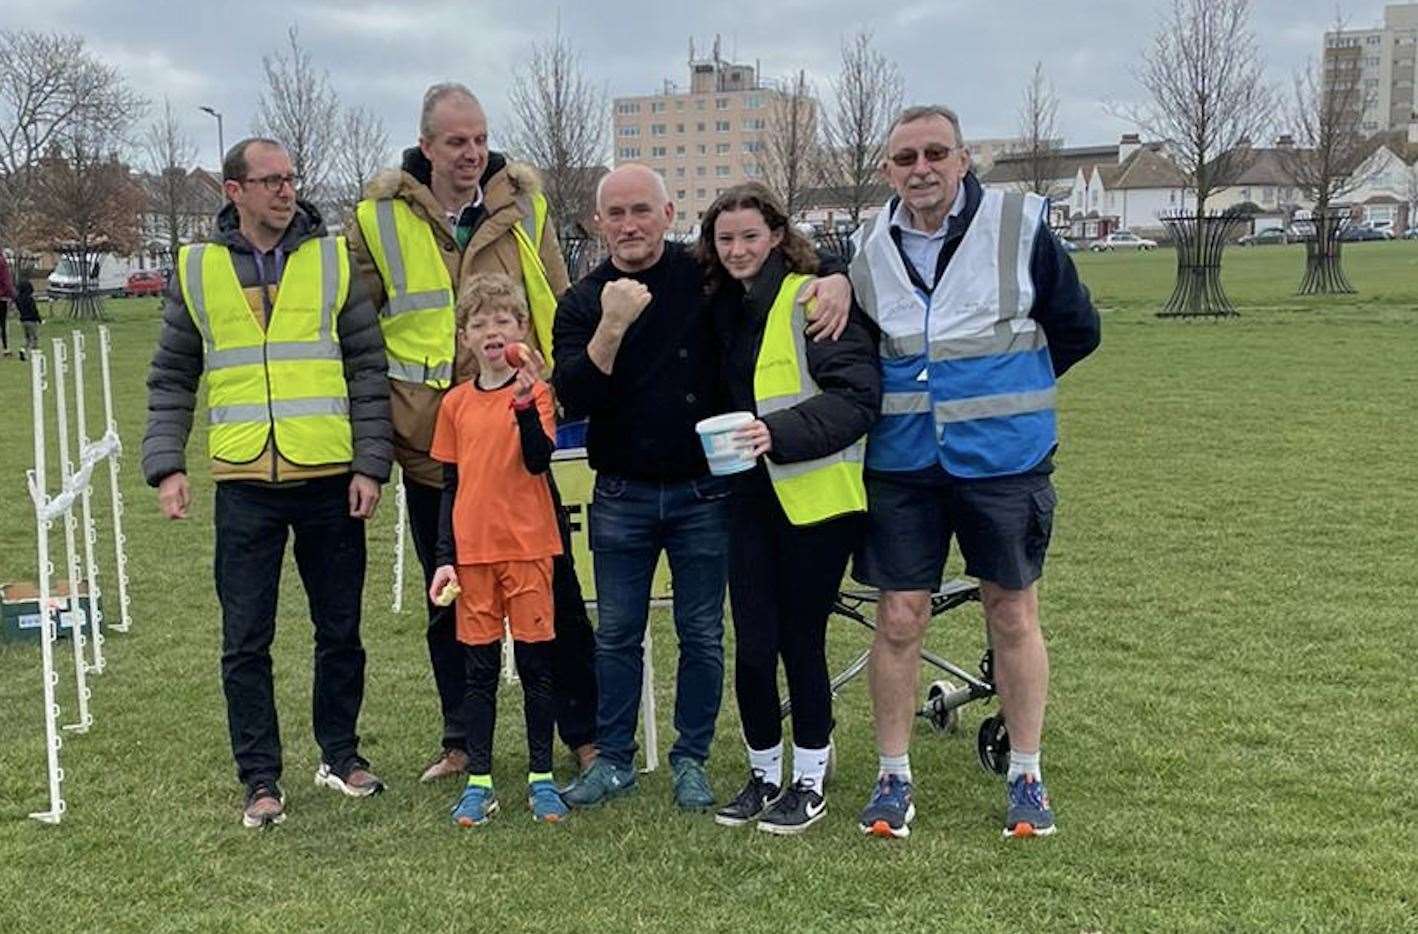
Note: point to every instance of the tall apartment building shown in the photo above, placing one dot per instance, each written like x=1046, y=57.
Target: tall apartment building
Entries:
x=701, y=142
x=1386, y=58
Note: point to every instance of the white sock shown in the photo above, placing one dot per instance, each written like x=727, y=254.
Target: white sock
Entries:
x=895, y=765
x=810, y=765
x=1023, y=764
x=769, y=762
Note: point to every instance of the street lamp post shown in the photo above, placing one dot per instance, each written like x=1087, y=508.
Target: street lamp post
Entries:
x=221, y=142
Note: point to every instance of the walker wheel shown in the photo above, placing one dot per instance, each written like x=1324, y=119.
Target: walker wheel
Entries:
x=943, y=720
x=993, y=745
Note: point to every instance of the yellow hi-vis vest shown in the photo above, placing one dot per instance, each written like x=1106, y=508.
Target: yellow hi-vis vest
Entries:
x=540, y=299
x=417, y=319
x=815, y=490
x=288, y=378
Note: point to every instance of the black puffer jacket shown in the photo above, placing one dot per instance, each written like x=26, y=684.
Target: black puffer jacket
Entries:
x=846, y=370
x=178, y=362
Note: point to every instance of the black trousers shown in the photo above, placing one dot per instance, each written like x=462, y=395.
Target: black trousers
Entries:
x=573, y=655
x=782, y=582
x=4, y=324
x=253, y=521
x=534, y=668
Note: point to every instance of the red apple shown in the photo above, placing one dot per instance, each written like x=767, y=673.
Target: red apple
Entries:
x=517, y=355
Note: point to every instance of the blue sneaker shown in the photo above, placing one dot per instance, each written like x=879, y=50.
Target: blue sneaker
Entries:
x=600, y=782
x=692, y=791
x=545, y=803
x=890, y=811
x=475, y=807
x=1029, y=813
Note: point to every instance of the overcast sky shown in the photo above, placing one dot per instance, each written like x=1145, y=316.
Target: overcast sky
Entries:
x=975, y=55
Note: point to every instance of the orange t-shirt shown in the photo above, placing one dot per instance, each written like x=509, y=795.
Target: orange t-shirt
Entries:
x=501, y=511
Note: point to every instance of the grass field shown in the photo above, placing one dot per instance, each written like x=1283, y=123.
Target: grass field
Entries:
x=1231, y=745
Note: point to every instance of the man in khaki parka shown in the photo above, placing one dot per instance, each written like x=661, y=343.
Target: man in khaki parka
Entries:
x=483, y=214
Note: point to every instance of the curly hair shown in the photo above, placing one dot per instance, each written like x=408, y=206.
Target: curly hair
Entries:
x=796, y=250
x=491, y=289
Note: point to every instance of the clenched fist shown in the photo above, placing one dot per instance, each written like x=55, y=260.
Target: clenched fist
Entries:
x=622, y=301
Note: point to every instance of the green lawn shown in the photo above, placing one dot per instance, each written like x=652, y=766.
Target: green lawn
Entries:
x=1231, y=742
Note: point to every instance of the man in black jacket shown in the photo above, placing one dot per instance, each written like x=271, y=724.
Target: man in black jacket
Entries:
x=294, y=447
x=636, y=353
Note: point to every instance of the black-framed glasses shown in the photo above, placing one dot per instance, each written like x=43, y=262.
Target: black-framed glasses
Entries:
x=906, y=158
x=274, y=183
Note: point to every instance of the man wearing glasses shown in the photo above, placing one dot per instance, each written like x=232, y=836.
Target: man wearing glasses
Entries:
x=299, y=439
x=980, y=311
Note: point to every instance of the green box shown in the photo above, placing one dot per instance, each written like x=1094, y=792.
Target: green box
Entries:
x=21, y=616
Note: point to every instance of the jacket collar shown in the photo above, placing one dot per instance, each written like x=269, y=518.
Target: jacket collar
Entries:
x=307, y=224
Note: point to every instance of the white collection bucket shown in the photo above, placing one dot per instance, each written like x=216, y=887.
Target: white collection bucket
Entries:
x=725, y=455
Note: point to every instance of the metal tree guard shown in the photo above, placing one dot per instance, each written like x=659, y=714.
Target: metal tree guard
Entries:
x=1324, y=272
x=1199, y=239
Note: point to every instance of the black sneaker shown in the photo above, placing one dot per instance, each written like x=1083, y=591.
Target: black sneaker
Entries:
x=750, y=803
x=801, y=806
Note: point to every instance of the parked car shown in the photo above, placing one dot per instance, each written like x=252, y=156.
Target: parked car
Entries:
x=145, y=282
x=1261, y=237
x=1359, y=233
x=1123, y=240
x=1411, y=233
x=107, y=274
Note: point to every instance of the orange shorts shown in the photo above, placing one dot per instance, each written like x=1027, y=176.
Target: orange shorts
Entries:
x=519, y=591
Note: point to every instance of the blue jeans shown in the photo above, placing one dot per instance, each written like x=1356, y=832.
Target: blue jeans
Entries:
x=631, y=521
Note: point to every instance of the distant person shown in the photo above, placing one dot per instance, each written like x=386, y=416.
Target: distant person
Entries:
x=498, y=535
x=29, y=316
x=7, y=295
x=980, y=311
x=299, y=439
x=796, y=517
x=636, y=353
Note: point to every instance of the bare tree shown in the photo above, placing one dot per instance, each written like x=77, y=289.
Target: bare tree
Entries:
x=170, y=152
x=1038, y=133
x=790, y=143
x=559, y=125
x=49, y=84
x=866, y=94
x=363, y=151
x=299, y=108
x=1326, y=117
x=1207, y=89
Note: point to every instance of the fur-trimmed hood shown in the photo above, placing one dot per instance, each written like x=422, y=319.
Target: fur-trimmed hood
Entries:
x=416, y=172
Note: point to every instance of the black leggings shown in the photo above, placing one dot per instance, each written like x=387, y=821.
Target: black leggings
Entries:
x=4, y=325
x=484, y=667
x=782, y=582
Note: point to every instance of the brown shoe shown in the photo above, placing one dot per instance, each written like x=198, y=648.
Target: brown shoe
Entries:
x=449, y=762
x=265, y=806
x=357, y=782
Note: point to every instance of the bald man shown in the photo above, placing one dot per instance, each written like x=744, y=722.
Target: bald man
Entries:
x=636, y=354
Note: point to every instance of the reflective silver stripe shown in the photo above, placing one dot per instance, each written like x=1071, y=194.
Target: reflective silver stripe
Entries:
x=195, y=290
x=852, y=454
x=389, y=240
x=418, y=301
x=910, y=345
x=529, y=218
x=905, y=403
x=859, y=271
x=303, y=350
x=409, y=372
x=777, y=404
x=329, y=284
x=1010, y=223
x=1003, y=340
x=236, y=356
x=1013, y=403
x=290, y=408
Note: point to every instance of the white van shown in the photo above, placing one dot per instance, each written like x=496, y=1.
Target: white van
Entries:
x=108, y=273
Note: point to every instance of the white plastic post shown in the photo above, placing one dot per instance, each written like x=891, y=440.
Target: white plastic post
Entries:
x=401, y=517
x=52, y=740
x=71, y=558
x=120, y=541
x=647, y=707
x=509, y=662
x=95, y=615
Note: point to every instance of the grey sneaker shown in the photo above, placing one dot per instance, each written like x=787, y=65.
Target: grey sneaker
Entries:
x=354, y=780
x=598, y=784
x=265, y=806
x=692, y=791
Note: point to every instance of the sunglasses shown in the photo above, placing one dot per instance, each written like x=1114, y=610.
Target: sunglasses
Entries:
x=906, y=158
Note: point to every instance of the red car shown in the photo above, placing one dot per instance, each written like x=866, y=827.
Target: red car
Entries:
x=145, y=282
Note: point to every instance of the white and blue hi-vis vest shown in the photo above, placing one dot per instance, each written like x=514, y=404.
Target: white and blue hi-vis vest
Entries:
x=966, y=374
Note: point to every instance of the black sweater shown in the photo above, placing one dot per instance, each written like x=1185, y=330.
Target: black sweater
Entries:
x=846, y=370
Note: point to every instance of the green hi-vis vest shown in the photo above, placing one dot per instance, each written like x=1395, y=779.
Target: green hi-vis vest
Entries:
x=288, y=378
x=418, y=319
x=815, y=490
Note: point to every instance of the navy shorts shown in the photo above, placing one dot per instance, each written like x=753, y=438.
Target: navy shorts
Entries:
x=1002, y=525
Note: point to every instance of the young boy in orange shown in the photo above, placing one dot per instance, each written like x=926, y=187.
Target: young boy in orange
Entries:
x=498, y=534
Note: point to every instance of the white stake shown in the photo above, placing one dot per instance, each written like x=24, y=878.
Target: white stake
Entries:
x=119, y=539
x=52, y=740
x=401, y=514
x=71, y=558
x=95, y=614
